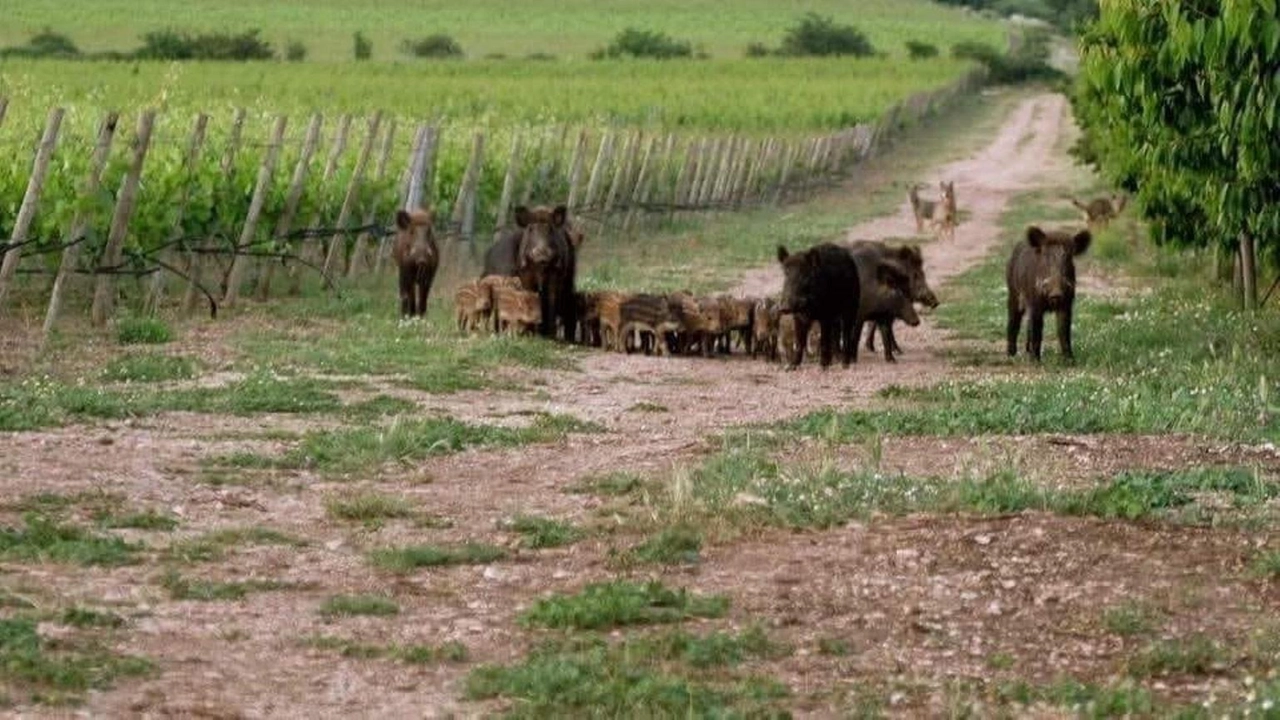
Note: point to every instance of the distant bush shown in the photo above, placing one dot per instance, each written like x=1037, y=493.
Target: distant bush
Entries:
x=1028, y=62
x=645, y=44
x=363, y=46
x=758, y=50
x=175, y=45
x=44, y=44
x=917, y=50
x=818, y=35
x=295, y=51
x=433, y=46
x=539, y=56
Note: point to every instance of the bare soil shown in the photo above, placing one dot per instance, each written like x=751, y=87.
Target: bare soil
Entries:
x=923, y=602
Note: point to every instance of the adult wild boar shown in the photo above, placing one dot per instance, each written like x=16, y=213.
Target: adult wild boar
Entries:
x=541, y=252
x=1041, y=278
x=910, y=259
x=885, y=296
x=417, y=256
x=821, y=285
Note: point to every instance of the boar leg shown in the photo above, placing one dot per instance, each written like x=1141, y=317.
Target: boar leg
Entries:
x=1064, y=333
x=1015, y=324
x=1035, y=333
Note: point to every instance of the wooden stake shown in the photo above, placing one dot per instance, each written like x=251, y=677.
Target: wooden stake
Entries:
x=104, y=295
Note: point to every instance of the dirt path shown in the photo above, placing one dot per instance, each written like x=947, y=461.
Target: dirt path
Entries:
x=245, y=658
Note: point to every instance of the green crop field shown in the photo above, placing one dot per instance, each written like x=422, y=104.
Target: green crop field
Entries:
x=568, y=27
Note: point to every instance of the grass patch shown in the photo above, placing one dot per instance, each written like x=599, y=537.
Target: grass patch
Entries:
x=614, y=484
x=149, y=367
x=40, y=670
x=45, y=540
x=182, y=588
x=408, y=559
x=43, y=402
x=144, y=520
x=645, y=406
x=1195, y=655
x=214, y=545
x=407, y=441
x=353, y=605
x=143, y=331
x=742, y=486
x=674, y=674
x=368, y=507
x=834, y=647
x=1267, y=565
x=380, y=406
x=1088, y=700
x=86, y=618
x=677, y=545
x=454, y=652
x=621, y=603
x=538, y=532
x=1131, y=618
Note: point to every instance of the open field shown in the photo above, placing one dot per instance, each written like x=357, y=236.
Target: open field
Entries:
x=573, y=27
x=318, y=510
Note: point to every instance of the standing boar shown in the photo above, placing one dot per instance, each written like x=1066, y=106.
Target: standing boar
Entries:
x=910, y=259
x=821, y=285
x=466, y=303
x=1041, y=278
x=885, y=296
x=735, y=316
x=542, y=251
x=417, y=256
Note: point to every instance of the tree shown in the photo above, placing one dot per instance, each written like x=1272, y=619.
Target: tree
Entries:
x=1180, y=100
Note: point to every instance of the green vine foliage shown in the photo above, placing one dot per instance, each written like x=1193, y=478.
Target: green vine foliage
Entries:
x=1180, y=101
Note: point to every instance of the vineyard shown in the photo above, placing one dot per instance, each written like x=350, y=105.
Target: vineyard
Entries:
x=217, y=199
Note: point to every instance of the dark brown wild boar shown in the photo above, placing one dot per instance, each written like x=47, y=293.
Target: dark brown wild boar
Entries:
x=1041, y=278
x=542, y=253
x=417, y=256
x=911, y=260
x=885, y=296
x=821, y=285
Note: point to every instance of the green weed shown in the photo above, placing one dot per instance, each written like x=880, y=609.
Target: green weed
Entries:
x=40, y=670
x=453, y=652
x=142, y=331
x=214, y=545
x=149, y=367
x=677, y=545
x=543, y=532
x=182, y=588
x=621, y=603
x=408, y=559
x=368, y=507
x=45, y=540
x=351, y=605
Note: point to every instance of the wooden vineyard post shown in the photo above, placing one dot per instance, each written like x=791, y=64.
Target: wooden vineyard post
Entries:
x=597, y=170
x=338, y=243
x=308, y=246
x=620, y=172
x=260, y=188
x=30, y=200
x=104, y=294
x=195, y=258
x=359, y=252
x=411, y=188
x=293, y=197
x=508, y=183
x=575, y=169
x=784, y=175
x=88, y=189
x=464, y=209
x=194, y=145
x=641, y=188
x=684, y=179
x=538, y=177
x=4, y=109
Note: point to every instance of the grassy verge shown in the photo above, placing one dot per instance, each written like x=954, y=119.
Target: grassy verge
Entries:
x=1167, y=354
x=41, y=669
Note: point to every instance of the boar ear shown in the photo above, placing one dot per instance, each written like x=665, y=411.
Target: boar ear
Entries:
x=1035, y=236
x=559, y=216
x=522, y=216
x=403, y=221
x=783, y=254
x=891, y=273
x=1082, y=240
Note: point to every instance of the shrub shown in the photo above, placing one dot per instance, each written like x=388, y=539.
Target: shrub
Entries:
x=818, y=35
x=142, y=331
x=758, y=50
x=175, y=45
x=45, y=44
x=645, y=44
x=295, y=51
x=362, y=46
x=917, y=50
x=539, y=56
x=1028, y=62
x=433, y=46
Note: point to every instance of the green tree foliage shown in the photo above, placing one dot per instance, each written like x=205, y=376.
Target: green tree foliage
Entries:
x=818, y=35
x=1180, y=100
